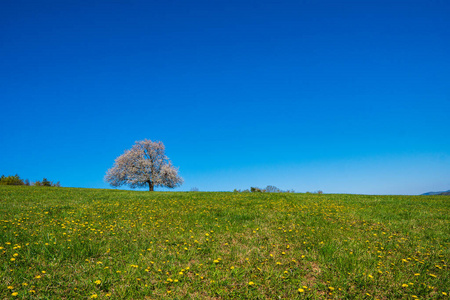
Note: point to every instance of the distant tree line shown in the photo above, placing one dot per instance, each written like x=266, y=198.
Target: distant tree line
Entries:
x=16, y=180
x=316, y=192
x=268, y=189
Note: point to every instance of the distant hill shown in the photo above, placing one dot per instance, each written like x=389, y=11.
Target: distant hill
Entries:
x=437, y=193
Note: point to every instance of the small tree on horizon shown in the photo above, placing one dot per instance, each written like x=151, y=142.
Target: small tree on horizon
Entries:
x=45, y=182
x=144, y=164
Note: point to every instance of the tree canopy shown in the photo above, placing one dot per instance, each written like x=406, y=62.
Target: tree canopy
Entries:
x=145, y=164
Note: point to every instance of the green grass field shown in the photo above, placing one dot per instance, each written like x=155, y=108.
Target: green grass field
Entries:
x=66, y=243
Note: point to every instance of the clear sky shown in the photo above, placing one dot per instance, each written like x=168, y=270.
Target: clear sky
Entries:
x=339, y=96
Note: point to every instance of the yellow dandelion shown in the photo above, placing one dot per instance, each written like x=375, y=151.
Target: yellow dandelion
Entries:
x=97, y=281
x=14, y=294
x=94, y=296
x=301, y=290
x=404, y=285
x=251, y=283
x=10, y=287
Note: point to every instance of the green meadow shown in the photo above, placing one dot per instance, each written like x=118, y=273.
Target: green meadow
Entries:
x=67, y=243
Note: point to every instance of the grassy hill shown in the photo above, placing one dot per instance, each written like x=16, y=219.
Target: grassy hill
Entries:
x=86, y=243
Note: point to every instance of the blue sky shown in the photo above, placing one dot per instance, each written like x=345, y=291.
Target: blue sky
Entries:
x=339, y=96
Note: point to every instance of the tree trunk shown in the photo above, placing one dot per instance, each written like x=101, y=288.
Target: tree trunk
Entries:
x=150, y=186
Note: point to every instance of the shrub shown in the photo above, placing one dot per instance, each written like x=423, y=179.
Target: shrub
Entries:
x=11, y=180
x=46, y=182
x=256, y=190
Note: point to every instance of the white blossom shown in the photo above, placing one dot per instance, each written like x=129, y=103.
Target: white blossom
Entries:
x=144, y=164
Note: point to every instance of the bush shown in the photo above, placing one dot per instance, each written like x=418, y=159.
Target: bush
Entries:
x=46, y=182
x=11, y=180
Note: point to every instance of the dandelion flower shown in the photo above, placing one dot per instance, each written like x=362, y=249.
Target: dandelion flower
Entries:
x=14, y=294
x=251, y=283
x=10, y=287
x=94, y=296
x=301, y=290
x=97, y=281
x=404, y=285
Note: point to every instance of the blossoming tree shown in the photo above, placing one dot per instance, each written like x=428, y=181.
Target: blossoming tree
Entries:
x=144, y=164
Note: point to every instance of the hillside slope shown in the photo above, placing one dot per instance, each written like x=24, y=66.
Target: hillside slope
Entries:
x=85, y=243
